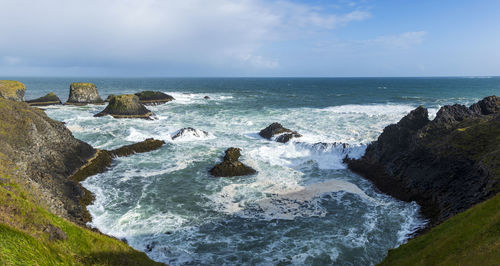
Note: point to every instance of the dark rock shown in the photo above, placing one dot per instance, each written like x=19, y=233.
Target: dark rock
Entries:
x=83, y=93
x=231, y=166
x=486, y=106
x=140, y=147
x=284, y=134
x=125, y=106
x=55, y=233
x=12, y=90
x=154, y=97
x=206, y=98
x=109, y=98
x=49, y=99
x=190, y=131
x=446, y=165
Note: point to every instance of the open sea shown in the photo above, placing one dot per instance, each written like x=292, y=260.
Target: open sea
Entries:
x=302, y=208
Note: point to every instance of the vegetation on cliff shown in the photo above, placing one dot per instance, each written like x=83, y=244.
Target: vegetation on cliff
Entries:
x=469, y=238
x=12, y=90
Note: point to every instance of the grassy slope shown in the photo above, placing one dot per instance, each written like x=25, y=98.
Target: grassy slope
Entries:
x=469, y=238
x=23, y=240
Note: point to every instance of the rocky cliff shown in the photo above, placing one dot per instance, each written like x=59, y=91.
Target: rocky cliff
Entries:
x=447, y=165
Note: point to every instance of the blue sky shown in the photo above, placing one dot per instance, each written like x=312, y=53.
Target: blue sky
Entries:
x=249, y=38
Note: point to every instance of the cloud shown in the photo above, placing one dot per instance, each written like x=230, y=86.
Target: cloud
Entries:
x=218, y=34
x=400, y=41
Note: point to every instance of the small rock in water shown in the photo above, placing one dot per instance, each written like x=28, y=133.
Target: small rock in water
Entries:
x=231, y=166
x=49, y=99
x=153, y=97
x=190, y=131
x=125, y=106
x=276, y=129
x=206, y=97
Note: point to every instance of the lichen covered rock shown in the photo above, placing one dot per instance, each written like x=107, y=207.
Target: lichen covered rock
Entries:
x=126, y=106
x=83, y=93
x=230, y=166
x=12, y=90
x=49, y=99
x=154, y=97
x=109, y=98
x=279, y=133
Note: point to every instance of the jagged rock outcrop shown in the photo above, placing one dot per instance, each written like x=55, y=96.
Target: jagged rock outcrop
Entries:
x=81, y=93
x=12, y=90
x=282, y=134
x=49, y=99
x=189, y=132
x=125, y=106
x=231, y=166
x=446, y=165
x=154, y=97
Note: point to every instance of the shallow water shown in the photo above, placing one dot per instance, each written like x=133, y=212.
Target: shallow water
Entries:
x=303, y=206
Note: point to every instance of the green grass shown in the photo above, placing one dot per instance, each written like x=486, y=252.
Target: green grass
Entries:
x=23, y=240
x=9, y=88
x=469, y=238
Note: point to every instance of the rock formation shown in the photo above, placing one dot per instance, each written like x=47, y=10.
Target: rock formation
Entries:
x=109, y=98
x=49, y=99
x=125, y=106
x=83, y=94
x=154, y=97
x=12, y=90
x=276, y=129
x=230, y=166
x=446, y=165
x=189, y=131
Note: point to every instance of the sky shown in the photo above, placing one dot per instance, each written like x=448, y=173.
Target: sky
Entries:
x=249, y=38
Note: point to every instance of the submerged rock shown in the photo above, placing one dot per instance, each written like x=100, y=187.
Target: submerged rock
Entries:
x=49, y=99
x=206, y=98
x=83, y=93
x=109, y=98
x=276, y=129
x=189, y=132
x=12, y=90
x=154, y=97
x=230, y=166
x=125, y=106
x=446, y=165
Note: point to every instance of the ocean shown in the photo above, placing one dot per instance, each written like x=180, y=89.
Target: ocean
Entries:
x=302, y=208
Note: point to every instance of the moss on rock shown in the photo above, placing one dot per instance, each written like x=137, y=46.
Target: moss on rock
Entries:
x=83, y=93
x=49, y=99
x=125, y=106
x=12, y=90
x=154, y=97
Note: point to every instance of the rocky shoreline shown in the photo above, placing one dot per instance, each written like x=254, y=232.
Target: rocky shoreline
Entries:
x=446, y=165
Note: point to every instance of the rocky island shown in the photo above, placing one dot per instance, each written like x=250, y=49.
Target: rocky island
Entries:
x=125, y=106
x=231, y=166
x=49, y=99
x=81, y=93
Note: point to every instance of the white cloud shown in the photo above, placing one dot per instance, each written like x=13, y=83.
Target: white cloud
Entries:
x=400, y=41
x=216, y=33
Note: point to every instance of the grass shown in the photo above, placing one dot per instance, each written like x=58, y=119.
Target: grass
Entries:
x=9, y=89
x=23, y=240
x=469, y=238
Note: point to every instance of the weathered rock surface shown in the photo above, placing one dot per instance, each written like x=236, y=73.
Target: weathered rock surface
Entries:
x=446, y=165
x=41, y=153
x=231, y=166
x=109, y=98
x=282, y=134
x=125, y=106
x=49, y=99
x=189, y=132
x=12, y=90
x=154, y=97
x=83, y=93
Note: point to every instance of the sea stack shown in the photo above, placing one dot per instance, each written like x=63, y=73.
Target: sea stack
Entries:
x=83, y=93
x=126, y=106
x=12, y=90
x=282, y=134
x=231, y=166
x=49, y=99
x=153, y=97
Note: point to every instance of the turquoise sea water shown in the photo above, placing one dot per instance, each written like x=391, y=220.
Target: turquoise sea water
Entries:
x=303, y=206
